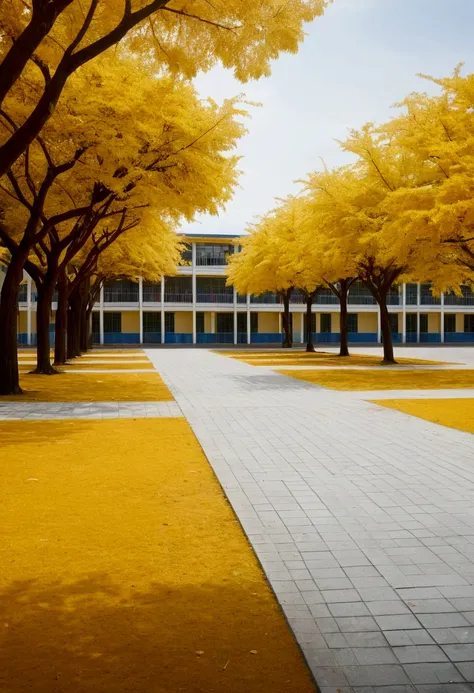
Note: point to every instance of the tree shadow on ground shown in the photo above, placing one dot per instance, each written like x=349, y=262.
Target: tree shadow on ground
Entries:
x=94, y=636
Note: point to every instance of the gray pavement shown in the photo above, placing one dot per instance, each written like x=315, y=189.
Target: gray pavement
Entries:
x=87, y=410
x=362, y=518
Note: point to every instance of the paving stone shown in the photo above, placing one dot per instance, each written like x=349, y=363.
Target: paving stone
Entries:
x=460, y=652
x=444, y=672
x=397, y=622
x=387, y=608
x=419, y=653
x=467, y=670
x=349, y=609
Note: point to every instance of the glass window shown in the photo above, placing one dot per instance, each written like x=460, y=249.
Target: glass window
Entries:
x=112, y=322
x=152, y=322
x=200, y=323
x=359, y=294
x=187, y=255
x=411, y=295
x=169, y=322
x=178, y=290
x=393, y=317
x=326, y=322
x=449, y=323
x=253, y=323
x=352, y=322
x=95, y=322
x=224, y=322
x=151, y=292
x=211, y=254
x=241, y=322
x=469, y=323
x=423, y=323
x=124, y=291
x=411, y=323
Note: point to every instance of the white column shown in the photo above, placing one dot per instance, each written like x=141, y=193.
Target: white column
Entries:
x=193, y=280
x=28, y=310
x=279, y=323
x=442, y=318
x=162, y=310
x=302, y=335
x=249, y=324
x=140, y=307
x=235, y=317
x=404, y=314
x=101, y=316
x=379, y=326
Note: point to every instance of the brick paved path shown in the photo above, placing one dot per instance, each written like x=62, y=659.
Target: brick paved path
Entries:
x=362, y=517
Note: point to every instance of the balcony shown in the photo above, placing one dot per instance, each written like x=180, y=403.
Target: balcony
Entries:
x=325, y=297
x=467, y=298
x=266, y=298
x=178, y=296
x=214, y=296
x=120, y=296
x=151, y=293
x=213, y=255
x=121, y=292
x=429, y=300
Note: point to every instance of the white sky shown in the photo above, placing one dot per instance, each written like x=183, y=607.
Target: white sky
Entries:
x=357, y=60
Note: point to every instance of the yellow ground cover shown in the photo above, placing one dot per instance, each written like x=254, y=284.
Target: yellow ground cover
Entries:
x=124, y=569
x=92, y=387
x=387, y=379
x=81, y=365
x=454, y=413
x=301, y=358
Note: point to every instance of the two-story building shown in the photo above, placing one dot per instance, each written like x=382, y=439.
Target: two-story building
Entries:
x=196, y=307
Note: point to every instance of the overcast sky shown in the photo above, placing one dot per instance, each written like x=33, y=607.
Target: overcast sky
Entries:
x=357, y=60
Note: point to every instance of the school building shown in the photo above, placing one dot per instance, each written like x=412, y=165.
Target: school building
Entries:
x=196, y=307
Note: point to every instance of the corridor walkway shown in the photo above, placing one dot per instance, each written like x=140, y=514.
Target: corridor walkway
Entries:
x=362, y=517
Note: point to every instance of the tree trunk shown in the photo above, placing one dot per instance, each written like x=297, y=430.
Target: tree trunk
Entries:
x=309, y=319
x=61, y=321
x=84, y=330
x=344, y=340
x=388, y=356
x=9, y=377
x=43, y=345
x=287, y=336
x=73, y=334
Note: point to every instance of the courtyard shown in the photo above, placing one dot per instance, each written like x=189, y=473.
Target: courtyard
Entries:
x=356, y=505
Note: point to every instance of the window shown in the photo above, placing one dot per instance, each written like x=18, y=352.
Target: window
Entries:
x=95, y=322
x=200, y=323
x=393, y=317
x=253, y=323
x=178, y=290
x=469, y=323
x=152, y=322
x=210, y=254
x=169, y=322
x=359, y=294
x=241, y=323
x=151, y=292
x=112, y=322
x=352, y=322
x=423, y=323
x=449, y=323
x=123, y=291
x=187, y=255
x=213, y=290
x=224, y=322
x=411, y=296
x=411, y=323
x=325, y=322
x=313, y=323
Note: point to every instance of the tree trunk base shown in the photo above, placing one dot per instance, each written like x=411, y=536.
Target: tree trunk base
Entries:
x=13, y=391
x=387, y=362
x=344, y=352
x=310, y=348
x=45, y=371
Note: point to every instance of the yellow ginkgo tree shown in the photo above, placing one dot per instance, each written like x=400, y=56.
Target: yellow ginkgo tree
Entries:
x=44, y=42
